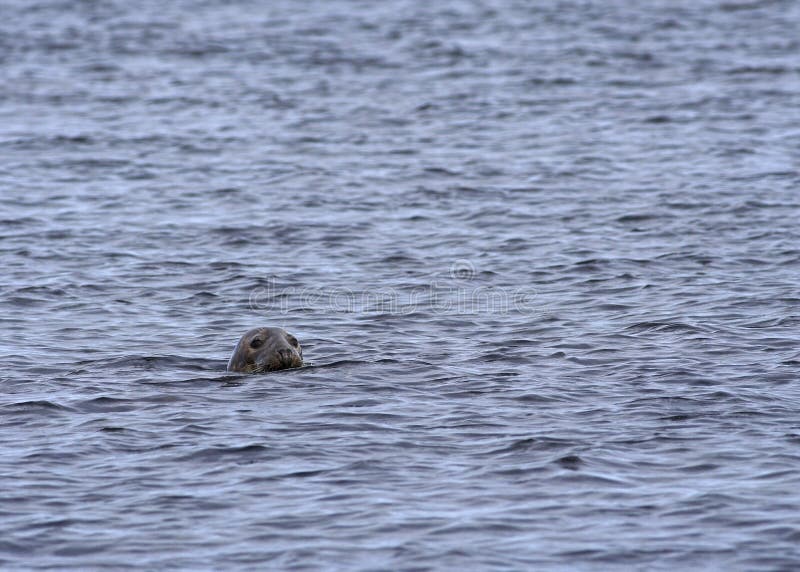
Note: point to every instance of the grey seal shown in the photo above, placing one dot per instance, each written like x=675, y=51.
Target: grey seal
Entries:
x=266, y=349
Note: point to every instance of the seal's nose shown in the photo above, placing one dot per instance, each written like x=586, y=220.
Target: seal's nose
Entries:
x=287, y=357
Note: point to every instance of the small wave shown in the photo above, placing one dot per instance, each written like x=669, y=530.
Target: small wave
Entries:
x=103, y=403
x=36, y=405
x=656, y=326
x=243, y=454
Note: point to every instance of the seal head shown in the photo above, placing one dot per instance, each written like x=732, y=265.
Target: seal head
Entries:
x=266, y=349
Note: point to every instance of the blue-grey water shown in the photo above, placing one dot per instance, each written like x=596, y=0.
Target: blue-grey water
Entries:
x=543, y=258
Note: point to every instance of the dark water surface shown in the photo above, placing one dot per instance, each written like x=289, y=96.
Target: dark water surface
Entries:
x=544, y=259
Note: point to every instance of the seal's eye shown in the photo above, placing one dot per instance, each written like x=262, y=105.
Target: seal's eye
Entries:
x=293, y=341
x=256, y=343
